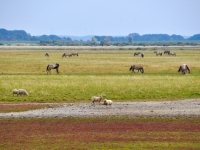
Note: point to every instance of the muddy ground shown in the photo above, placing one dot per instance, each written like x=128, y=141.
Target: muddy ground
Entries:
x=181, y=108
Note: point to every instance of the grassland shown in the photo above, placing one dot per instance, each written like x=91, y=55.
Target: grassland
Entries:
x=100, y=133
x=104, y=72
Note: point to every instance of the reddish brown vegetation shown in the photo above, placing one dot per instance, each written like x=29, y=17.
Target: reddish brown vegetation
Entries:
x=73, y=130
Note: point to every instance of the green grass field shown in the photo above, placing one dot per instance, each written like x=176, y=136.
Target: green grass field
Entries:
x=95, y=73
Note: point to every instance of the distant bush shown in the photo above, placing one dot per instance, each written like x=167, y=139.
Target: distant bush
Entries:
x=43, y=44
x=1, y=44
x=138, y=48
x=121, y=48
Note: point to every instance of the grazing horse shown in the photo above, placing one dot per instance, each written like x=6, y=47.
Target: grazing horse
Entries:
x=136, y=53
x=166, y=52
x=47, y=54
x=142, y=55
x=158, y=53
x=73, y=54
x=184, y=68
x=137, y=67
x=66, y=54
x=172, y=53
x=52, y=66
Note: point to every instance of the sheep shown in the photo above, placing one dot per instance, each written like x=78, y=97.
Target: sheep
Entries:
x=98, y=99
x=14, y=91
x=22, y=92
x=107, y=102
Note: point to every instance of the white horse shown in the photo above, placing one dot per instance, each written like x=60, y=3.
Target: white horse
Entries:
x=184, y=68
x=158, y=53
x=172, y=53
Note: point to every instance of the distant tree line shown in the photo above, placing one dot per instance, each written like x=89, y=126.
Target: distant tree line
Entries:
x=106, y=42
x=21, y=35
x=59, y=43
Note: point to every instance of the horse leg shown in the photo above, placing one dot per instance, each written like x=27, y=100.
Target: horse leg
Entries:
x=57, y=70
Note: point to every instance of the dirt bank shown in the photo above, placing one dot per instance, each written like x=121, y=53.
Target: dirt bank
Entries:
x=180, y=108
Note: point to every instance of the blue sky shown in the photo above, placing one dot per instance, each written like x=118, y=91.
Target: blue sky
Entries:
x=101, y=17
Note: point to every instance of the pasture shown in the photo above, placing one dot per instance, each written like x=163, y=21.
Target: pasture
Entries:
x=95, y=73
x=98, y=72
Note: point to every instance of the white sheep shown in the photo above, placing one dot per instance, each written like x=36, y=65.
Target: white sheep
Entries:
x=14, y=91
x=98, y=99
x=107, y=102
x=22, y=92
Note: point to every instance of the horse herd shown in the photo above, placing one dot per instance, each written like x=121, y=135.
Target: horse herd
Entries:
x=65, y=54
x=184, y=68
x=157, y=53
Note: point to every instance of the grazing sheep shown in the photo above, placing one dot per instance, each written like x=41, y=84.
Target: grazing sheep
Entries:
x=107, y=102
x=22, y=92
x=98, y=99
x=14, y=91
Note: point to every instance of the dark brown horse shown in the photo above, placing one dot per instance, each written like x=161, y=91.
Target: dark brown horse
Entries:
x=52, y=66
x=47, y=54
x=166, y=52
x=142, y=55
x=137, y=67
x=184, y=68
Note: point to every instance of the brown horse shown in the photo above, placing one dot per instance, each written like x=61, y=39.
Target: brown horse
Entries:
x=66, y=54
x=52, y=66
x=75, y=54
x=137, y=67
x=136, y=53
x=166, y=52
x=47, y=54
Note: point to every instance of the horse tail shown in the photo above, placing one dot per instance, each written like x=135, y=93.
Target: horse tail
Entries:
x=47, y=67
x=77, y=54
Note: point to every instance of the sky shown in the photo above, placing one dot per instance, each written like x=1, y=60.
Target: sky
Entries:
x=101, y=17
